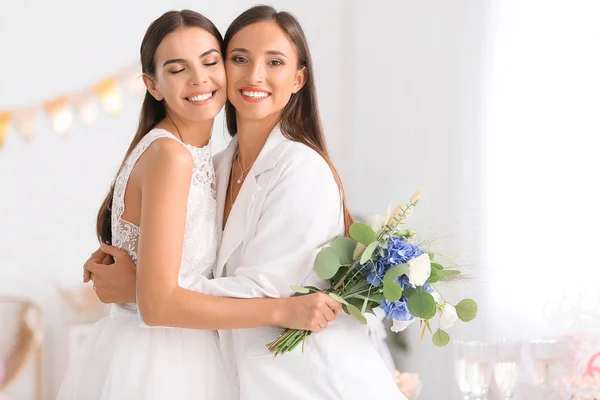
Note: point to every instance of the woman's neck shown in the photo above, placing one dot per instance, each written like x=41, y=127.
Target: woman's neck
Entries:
x=196, y=134
x=252, y=136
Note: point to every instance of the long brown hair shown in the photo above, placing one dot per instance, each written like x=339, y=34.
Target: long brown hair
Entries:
x=153, y=111
x=300, y=119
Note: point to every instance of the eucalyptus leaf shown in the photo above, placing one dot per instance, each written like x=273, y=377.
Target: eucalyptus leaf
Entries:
x=466, y=310
x=432, y=313
x=362, y=233
x=300, y=289
x=355, y=312
x=440, y=338
x=392, y=291
x=366, y=255
x=337, y=298
x=327, y=263
x=421, y=304
x=409, y=291
x=437, y=266
x=448, y=273
x=364, y=306
x=344, y=247
x=434, y=276
x=395, y=272
x=325, y=243
x=313, y=288
x=377, y=297
x=345, y=309
x=341, y=272
x=353, y=301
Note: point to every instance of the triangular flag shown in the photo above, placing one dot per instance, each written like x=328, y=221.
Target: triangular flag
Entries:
x=60, y=114
x=86, y=106
x=4, y=122
x=110, y=94
x=24, y=121
x=131, y=78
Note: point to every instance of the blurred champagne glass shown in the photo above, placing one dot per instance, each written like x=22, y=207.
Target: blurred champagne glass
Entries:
x=472, y=366
x=506, y=367
x=546, y=356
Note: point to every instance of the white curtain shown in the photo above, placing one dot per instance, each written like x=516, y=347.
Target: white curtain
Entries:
x=541, y=161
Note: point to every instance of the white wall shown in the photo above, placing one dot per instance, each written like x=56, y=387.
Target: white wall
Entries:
x=398, y=89
x=415, y=122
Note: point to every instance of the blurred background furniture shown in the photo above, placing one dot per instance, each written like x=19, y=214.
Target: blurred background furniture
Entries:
x=21, y=337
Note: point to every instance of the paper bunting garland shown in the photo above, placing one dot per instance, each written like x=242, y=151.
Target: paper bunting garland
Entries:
x=83, y=104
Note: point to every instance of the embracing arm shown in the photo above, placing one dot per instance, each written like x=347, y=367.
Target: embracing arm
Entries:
x=162, y=302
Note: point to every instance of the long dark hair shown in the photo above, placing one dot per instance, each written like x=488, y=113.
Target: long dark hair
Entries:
x=153, y=111
x=300, y=119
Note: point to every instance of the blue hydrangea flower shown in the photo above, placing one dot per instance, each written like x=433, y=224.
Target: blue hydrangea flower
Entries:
x=400, y=252
x=404, y=282
x=375, y=272
x=397, y=310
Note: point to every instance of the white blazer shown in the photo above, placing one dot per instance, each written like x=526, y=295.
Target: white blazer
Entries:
x=288, y=205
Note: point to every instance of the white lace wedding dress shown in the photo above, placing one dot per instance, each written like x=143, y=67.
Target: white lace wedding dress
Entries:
x=124, y=359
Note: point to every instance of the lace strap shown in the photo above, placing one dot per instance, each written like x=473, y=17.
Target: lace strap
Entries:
x=123, y=176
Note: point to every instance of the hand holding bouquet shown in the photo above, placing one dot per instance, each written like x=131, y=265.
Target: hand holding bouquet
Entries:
x=382, y=268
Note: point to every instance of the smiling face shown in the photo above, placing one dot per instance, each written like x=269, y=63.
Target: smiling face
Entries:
x=190, y=75
x=262, y=71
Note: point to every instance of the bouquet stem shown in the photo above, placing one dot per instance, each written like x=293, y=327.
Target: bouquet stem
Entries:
x=288, y=340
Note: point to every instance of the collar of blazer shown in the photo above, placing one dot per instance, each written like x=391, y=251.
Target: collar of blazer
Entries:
x=233, y=234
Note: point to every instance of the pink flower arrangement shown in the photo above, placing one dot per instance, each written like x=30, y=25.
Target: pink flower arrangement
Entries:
x=593, y=367
x=408, y=383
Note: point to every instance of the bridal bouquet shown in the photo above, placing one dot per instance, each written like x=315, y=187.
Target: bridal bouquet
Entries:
x=379, y=269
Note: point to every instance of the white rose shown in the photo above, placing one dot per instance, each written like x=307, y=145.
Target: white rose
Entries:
x=449, y=316
x=399, y=326
x=419, y=269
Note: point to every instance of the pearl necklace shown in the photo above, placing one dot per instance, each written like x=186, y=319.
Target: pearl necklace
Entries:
x=237, y=158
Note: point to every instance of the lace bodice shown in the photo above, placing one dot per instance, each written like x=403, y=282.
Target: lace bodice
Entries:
x=200, y=239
